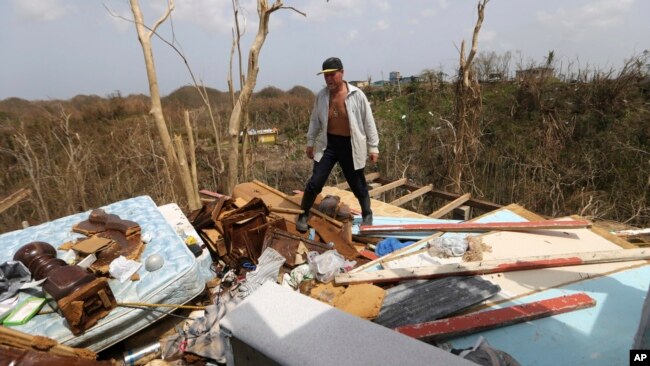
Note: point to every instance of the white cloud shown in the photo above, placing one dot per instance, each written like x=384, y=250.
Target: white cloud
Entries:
x=214, y=15
x=321, y=10
x=42, y=10
x=427, y=13
x=581, y=21
x=443, y=4
x=384, y=6
x=381, y=25
x=486, y=35
x=353, y=35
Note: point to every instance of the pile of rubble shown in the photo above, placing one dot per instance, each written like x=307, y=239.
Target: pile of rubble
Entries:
x=410, y=289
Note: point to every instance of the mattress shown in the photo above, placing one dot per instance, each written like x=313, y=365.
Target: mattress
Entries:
x=178, y=281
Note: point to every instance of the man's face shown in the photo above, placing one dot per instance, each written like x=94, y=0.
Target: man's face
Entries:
x=334, y=79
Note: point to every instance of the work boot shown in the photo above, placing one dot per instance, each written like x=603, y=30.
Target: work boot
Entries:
x=307, y=201
x=301, y=223
x=366, y=212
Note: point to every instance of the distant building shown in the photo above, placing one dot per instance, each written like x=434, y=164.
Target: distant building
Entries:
x=411, y=79
x=394, y=77
x=534, y=73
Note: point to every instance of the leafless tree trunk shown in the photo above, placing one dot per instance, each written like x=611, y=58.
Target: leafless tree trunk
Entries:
x=264, y=10
x=468, y=112
x=144, y=36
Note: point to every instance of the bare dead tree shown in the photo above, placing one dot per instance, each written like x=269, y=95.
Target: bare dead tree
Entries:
x=468, y=112
x=264, y=11
x=237, y=34
x=144, y=36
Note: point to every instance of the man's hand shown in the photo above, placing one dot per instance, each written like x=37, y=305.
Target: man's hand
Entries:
x=310, y=152
x=374, y=157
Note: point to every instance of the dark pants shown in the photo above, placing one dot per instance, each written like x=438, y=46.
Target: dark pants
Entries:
x=339, y=149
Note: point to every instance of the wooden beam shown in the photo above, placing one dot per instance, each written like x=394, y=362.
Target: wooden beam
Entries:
x=332, y=234
x=285, y=197
x=467, y=227
x=369, y=178
x=442, y=211
x=213, y=194
x=379, y=190
x=448, y=196
x=484, y=205
x=490, y=319
x=415, y=194
x=14, y=198
x=632, y=233
x=494, y=266
x=295, y=211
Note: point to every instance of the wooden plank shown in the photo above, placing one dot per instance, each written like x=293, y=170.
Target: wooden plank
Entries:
x=415, y=194
x=294, y=211
x=462, y=213
x=448, y=196
x=494, y=266
x=490, y=319
x=369, y=178
x=633, y=232
x=512, y=207
x=213, y=194
x=379, y=208
x=377, y=191
x=330, y=233
x=611, y=237
x=442, y=211
x=467, y=227
x=14, y=198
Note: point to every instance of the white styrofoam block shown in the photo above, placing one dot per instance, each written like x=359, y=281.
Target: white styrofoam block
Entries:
x=293, y=329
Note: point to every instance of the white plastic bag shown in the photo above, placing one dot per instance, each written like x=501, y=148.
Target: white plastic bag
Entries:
x=324, y=266
x=453, y=246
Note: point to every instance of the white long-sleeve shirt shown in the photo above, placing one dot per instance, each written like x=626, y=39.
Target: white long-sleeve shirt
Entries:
x=363, y=131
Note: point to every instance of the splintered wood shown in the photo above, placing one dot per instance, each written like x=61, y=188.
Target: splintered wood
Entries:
x=475, y=249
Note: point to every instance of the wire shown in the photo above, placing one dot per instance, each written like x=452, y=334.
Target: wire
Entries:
x=144, y=304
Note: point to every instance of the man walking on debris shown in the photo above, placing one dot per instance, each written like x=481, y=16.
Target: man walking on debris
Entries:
x=341, y=129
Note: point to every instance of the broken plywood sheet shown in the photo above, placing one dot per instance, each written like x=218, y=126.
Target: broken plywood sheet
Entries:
x=426, y=300
x=535, y=243
x=379, y=208
x=545, y=242
x=511, y=212
x=250, y=190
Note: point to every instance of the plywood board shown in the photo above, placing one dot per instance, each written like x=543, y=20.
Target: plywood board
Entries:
x=379, y=208
x=545, y=242
x=537, y=243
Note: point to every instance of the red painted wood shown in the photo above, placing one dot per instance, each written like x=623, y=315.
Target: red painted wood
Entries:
x=368, y=254
x=472, y=226
x=546, y=263
x=490, y=319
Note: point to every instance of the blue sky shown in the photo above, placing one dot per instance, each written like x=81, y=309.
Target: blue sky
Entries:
x=56, y=49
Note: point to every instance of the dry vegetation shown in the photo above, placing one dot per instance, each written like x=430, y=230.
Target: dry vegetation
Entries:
x=556, y=147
